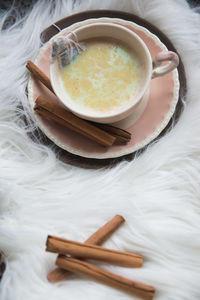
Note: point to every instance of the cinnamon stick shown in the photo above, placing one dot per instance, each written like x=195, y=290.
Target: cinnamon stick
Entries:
x=62, y=116
x=64, y=246
x=121, y=136
x=104, y=232
x=84, y=268
x=97, y=238
x=41, y=76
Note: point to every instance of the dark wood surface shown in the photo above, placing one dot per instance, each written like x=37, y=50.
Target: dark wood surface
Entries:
x=63, y=23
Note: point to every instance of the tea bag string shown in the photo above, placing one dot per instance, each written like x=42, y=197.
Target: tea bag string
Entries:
x=75, y=42
x=56, y=26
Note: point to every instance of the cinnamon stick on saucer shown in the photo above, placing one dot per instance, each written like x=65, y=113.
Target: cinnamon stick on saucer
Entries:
x=84, y=268
x=119, y=258
x=121, y=136
x=41, y=76
x=56, y=112
x=97, y=238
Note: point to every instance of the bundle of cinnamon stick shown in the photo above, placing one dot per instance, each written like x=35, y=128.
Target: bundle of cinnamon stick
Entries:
x=71, y=255
x=103, y=134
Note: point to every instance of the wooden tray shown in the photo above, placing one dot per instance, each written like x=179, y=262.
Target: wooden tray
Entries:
x=63, y=23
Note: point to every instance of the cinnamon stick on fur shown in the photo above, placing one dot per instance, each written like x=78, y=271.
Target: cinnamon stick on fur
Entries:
x=84, y=268
x=97, y=238
x=41, y=76
x=56, y=112
x=64, y=246
x=121, y=136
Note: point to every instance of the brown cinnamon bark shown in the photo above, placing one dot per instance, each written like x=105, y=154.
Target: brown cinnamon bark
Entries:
x=122, y=136
x=64, y=246
x=104, y=232
x=84, y=268
x=120, y=139
x=41, y=76
x=114, y=130
x=62, y=116
x=97, y=238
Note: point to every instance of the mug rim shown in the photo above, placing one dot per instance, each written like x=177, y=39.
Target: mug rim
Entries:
x=111, y=116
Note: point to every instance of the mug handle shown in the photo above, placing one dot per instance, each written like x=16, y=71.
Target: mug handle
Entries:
x=170, y=56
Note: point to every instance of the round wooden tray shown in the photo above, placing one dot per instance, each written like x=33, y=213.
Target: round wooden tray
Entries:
x=63, y=23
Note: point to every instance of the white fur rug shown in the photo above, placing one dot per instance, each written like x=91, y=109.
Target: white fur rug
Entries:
x=158, y=193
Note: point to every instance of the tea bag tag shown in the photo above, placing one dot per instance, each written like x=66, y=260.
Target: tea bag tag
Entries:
x=65, y=50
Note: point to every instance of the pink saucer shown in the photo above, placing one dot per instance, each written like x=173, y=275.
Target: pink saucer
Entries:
x=162, y=100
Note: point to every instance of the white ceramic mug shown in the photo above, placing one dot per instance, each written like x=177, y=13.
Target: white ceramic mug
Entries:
x=151, y=68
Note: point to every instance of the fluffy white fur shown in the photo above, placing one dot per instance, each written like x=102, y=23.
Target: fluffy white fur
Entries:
x=158, y=193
